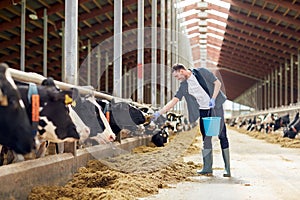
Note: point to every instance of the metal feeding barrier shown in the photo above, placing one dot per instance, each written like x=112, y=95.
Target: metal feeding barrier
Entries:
x=280, y=110
x=70, y=147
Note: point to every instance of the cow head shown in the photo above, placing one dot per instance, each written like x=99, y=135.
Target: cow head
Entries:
x=15, y=128
x=55, y=122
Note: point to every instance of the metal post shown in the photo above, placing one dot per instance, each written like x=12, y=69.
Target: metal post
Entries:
x=71, y=52
x=298, y=75
x=292, y=79
x=153, y=53
x=63, y=67
x=276, y=87
x=265, y=93
x=45, y=47
x=98, y=67
x=162, y=52
x=280, y=86
x=140, y=59
x=286, y=83
x=71, y=42
x=118, y=48
x=125, y=84
x=272, y=88
x=169, y=50
x=106, y=71
x=269, y=91
x=23, y=24
x=89, y=63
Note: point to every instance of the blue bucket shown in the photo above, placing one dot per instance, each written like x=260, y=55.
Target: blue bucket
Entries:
x=212, y=125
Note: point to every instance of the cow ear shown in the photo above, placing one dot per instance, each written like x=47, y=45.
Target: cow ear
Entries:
x=68, y=99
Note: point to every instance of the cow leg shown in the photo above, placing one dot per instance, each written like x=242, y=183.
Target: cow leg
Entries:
x=17, y=157
x=41, y=152
x=60, y=147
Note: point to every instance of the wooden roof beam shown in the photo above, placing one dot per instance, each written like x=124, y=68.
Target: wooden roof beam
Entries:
x=256, y=9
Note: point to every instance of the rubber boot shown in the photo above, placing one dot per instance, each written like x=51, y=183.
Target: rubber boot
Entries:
x=207, y=163
x=226, y=158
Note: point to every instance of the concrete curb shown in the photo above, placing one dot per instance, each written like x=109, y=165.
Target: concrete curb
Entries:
x=18, y=179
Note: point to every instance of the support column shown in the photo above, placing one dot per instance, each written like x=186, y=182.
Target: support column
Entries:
x=169, y=50
x=106, y=71
x=63, y=53
x=276, y=88
x=272, y=89
x=71, y=52
x=162, y=53
x=88, y=78
x=265, y=93
x=71, y=42
x=269, y=91
x=153, y=53
x=292, y=80
x=140, y=59
x=117, y=62
x=98, y=67
x=298, y=75
x=23, y=31
x=286, y=83
x=280, y=85
x=45, y=46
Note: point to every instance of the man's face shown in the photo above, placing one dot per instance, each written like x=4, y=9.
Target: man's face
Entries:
x=179, y=75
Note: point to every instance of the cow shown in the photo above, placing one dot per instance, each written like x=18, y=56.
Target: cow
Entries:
x=282, y=121
x=15, y=127
x=91, y=114
x=175, y=120
x=160, y=136
x=293, y=128
x=55, y=124
x=124, y=116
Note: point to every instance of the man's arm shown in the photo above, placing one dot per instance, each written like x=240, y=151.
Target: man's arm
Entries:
x=216, y=88
x=169, y=105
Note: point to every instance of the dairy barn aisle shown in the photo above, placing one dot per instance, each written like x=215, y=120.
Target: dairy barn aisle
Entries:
x=260, y=170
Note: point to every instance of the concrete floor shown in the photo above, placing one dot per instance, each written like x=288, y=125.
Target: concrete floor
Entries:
x=260, y=170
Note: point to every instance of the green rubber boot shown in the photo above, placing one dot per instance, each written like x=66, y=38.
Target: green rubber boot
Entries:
x=226, y=158
x=207, y=163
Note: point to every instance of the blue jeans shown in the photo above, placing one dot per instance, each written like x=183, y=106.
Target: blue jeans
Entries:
x=218, y=112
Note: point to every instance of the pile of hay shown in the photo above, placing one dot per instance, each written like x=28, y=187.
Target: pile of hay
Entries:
x=275, y=138
x=138, y=174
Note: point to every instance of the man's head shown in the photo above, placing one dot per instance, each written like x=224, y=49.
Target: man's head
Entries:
x=180, y=72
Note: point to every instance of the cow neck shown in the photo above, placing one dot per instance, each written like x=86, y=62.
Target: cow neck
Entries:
x=34, y=100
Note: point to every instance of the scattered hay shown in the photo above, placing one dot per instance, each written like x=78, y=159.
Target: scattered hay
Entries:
x=274, y=138
x=139, y=174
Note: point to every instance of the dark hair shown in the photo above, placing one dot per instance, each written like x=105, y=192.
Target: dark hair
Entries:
x=177, y=67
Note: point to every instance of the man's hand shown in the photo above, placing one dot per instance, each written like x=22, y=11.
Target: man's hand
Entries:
x=155, y=115
x=212, y=103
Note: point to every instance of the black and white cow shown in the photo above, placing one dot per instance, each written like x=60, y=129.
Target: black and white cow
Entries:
x=124, y=116
x=160, y=136
x=55, y=124
x=293, y=128
x=15, y=128
x=282, y=121
x=91, y=114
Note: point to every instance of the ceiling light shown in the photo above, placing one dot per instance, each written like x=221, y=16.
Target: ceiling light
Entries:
x=33, y=16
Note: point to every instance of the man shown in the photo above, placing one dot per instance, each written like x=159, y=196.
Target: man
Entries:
x=201, y=90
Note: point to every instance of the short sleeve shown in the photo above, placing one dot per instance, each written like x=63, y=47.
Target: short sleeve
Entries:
x=209, y=76
x=180, y=92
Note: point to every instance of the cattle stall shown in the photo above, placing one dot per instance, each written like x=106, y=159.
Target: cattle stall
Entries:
x=20, y=177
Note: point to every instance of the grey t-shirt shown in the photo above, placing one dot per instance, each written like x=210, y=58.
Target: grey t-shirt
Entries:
x=195, y=89
x=192, y=104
